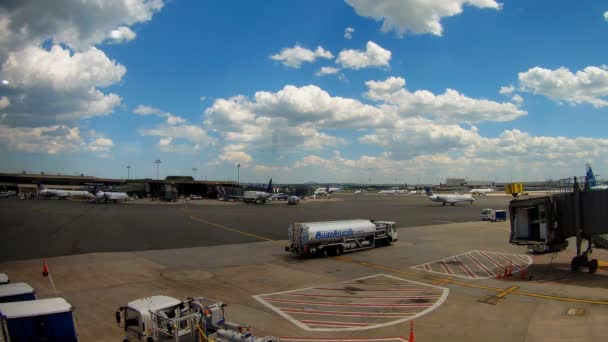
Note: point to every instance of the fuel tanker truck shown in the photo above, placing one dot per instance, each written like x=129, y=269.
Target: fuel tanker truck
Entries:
x=337, y=237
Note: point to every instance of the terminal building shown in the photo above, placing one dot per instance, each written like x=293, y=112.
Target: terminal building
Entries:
x=183, y=185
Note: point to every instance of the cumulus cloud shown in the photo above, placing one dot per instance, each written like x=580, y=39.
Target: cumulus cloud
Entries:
x=179, y=138
x=451, y=106
x=295, y=56
x=51, y=140
x=373, y=56
x=122, y=34
x=606, y=15
x=348, y=32
x=147, y=110
x=517, y=99
x=78, y=24
x=507, y=90
x=327, y=71
x=55, y=86
x=236, y=155
x=270, y=168
x=415, y=16
x=587, y=86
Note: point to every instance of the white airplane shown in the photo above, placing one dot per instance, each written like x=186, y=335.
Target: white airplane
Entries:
x=451, y=199
x=258, y=196
x=107, y=196
x=325, y=190
x=5, y=194
x=360, y=192
x=481, y=191
x=61, y=194
x=387, y=192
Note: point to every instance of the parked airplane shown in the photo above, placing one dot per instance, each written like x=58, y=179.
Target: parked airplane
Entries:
x=451, y=199
x=360, y=192
x=107, y=196
x=387, y=192
x=325, y=191
x=592, y=182
x=61, y=194
x=258, y=196
x=482, y=191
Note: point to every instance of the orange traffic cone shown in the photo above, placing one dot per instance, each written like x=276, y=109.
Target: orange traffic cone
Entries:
x=45, y=268
x=411, y=331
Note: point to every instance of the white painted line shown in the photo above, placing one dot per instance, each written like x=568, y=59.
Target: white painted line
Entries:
x=350, y=339
x=335, y=324
x=429, y=287
x=362, y=297
x=466, y=269
x=480, y=265
x=413, y=305
x=347, y=313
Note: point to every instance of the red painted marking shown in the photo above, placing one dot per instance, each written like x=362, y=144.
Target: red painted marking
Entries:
x=338, y=339
x=525, y=260
x=414, y=305
x=466, y=269
x=335, y=324
x=363, y=297
x=508, y=261
x=427, y=267
x=445, y=268
x=378, y=284
x=500, y=266
x=380, y=290
x=480, y=265
x=347, y=313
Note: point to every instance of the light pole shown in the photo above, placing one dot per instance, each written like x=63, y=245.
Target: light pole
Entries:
x=194, y=170
x=157, y=163
x=238, y=173
x=128, y=172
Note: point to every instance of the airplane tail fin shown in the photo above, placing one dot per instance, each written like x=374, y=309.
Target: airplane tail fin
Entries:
x=428, y=191
x=269, y=189
x=40, y=186
x=590, y=176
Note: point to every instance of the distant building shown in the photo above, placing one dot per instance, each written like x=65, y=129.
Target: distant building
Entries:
x=449, y=182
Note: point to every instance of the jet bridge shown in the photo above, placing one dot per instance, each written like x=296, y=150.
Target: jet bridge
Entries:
x=548, y=222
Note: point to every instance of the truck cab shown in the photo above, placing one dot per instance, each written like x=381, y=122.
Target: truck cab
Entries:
x=391, y=230
x=486, y=214
x=140, y=316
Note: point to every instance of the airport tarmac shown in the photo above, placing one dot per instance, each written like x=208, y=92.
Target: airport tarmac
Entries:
x=440, y=274
x=48, y=228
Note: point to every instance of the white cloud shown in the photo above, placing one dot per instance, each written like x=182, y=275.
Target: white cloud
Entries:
x=54, y=86
x=373, y=56
x=4, y=102
x=122, y=34
x=416, y=16
x=295, y=56
x=79, y=24
x=147, y=110
x=327, y=71
x=51, y=140
x=270, y=168
x=235, y=155
x=507, y=90
x=450, y=106
x=348, y=32
x=195, y=135
x=517, y=99
x=587, y=86
x=606, y=15
x=5, y=82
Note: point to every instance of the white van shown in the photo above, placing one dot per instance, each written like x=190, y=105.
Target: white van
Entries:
x=486, y=214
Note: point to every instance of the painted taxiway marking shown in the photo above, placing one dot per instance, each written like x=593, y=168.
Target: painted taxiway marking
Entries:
x=476, y=264
x=426, y=276
x=350, y=339
x=341, y=312
x=441, y=282
x=507, y=291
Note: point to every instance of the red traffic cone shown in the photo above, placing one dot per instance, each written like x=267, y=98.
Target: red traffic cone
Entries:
x=505, y=274
x=411, y=331
x=45, y=268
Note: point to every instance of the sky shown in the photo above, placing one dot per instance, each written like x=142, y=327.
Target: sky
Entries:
x=384, y=91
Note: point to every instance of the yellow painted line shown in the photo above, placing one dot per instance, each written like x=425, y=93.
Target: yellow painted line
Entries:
x=512, y=290
x=601, y=263
x=507, y=291
x=234, y=230
x=442, y=281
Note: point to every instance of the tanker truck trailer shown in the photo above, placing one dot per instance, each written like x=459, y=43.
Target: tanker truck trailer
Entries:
x=337, y=237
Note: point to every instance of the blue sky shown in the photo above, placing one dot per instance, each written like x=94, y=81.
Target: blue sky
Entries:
x=415, y=91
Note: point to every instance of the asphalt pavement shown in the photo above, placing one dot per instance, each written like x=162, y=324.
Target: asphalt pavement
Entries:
x=48, y=228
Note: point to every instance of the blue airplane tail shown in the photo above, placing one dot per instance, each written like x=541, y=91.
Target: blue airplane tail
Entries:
x=590, y=177
x=269, y=188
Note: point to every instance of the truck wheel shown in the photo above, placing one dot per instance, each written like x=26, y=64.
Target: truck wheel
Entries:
x=575, y=264
x=339, y=251
x=593, y=264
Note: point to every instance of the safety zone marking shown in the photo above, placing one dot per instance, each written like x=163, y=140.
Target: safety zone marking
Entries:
x=350, y=339
x=364, y=303
x=477, y=264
